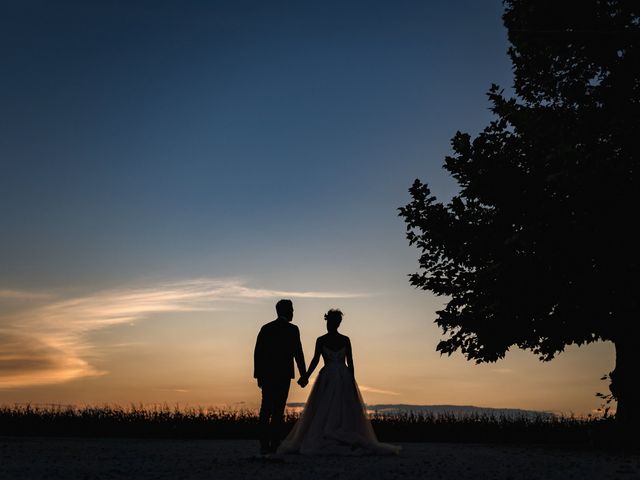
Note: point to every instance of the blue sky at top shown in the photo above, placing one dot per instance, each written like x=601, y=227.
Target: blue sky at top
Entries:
x=184, y=137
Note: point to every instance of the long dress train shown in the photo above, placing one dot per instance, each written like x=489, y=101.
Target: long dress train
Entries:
x=334, y=419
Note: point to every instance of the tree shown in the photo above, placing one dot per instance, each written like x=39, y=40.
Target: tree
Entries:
x=539, y=248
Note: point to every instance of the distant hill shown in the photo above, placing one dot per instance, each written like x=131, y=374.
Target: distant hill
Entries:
x=456, y=410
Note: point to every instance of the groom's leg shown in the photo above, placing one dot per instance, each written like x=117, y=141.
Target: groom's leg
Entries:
x=266, y=411
x=277, y=417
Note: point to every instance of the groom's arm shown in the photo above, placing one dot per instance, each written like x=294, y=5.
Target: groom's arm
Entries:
x=299, y=354
x=258, y=358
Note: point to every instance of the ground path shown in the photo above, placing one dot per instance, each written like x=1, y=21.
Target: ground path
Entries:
x=90, y=458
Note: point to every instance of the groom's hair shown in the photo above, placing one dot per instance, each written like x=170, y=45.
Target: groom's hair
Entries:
x=284, y=306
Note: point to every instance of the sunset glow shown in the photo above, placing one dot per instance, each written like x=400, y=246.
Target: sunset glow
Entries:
x=170, y=171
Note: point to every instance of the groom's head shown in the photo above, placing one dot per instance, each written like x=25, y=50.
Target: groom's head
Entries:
x=284, y=308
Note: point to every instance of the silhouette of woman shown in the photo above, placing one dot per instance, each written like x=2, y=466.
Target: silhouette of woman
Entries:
x=334, y=419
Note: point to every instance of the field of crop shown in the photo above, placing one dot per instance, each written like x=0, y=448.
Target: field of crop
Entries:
x=215, y=423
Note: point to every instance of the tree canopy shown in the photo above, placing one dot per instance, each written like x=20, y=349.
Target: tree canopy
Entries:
x=539, y=248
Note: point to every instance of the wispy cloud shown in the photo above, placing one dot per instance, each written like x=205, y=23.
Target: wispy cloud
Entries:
x=28, y=360
x=22, y=295
x=48, y=343
x=178, y=390
x=364, y=388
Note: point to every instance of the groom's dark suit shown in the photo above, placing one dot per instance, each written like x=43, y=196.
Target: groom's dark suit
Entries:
x=277, y=346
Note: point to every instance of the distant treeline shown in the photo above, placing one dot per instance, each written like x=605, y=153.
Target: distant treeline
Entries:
x=213, y=423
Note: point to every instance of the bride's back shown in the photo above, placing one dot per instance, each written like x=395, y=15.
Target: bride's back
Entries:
x=333, y=347
x=334, y=341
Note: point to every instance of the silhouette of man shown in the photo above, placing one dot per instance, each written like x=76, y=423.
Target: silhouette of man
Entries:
x=278, y=344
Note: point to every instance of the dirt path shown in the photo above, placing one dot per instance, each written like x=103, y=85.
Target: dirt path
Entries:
x=80, y=458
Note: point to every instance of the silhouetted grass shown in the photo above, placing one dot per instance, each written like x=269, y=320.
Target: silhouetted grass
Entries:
x=167, y=422
x=133, y=421
x=485, y=428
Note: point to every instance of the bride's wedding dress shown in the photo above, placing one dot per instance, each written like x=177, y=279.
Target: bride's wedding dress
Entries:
x=334, y=420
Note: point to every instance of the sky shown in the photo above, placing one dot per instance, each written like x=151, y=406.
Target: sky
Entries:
x=170, y=169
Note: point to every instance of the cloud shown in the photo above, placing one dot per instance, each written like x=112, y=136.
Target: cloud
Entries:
x=364, y=388
x=26, y=361
x=178, y=390
x=48, y=343
x=22, y=295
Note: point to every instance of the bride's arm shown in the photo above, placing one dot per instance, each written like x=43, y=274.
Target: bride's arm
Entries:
x=350, y=357
x=316, y=358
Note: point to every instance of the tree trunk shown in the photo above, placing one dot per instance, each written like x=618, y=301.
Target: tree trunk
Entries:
x=625, y=381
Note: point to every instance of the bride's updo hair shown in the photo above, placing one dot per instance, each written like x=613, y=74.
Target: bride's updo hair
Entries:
x=333, y=318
